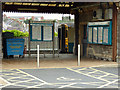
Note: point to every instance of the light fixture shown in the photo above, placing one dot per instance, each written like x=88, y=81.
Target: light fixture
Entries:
x=31, y=9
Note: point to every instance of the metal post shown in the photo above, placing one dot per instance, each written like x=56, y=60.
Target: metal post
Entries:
x=38, y=56
x=79, y=55
x=58, y=46
x=29, y=40
x=53, y=39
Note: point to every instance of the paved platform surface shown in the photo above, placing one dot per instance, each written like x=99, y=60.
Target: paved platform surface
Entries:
x=65, y=60
x=92, y=77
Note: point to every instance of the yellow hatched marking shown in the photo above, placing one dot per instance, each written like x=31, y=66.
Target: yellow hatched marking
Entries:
x=100, y=78
x=88, y=75
x=24, y=76
x=32, y=76
x=103, y=72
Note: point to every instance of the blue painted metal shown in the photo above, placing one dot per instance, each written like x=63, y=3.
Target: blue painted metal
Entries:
x=70, y=47
x=104, y=26
x=15, y=46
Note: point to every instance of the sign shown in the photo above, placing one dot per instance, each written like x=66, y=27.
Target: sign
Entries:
x=105, y=40
x=90, y=35
x=47, y=33
x=41, y=31
x=100, y=31
x=36, y=32
x=95, y=34
x=99, y=23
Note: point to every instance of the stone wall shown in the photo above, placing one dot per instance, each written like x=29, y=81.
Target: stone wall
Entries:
x=43, y=45
x=93, y=50
x=100, y=52
x=118, y=37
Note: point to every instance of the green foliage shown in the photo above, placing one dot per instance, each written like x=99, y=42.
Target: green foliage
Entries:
x=18, y=33
x=27, y=21
x=56, y=34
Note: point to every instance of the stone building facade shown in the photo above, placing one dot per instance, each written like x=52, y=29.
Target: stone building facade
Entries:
x=97, y=51
x=118, y=37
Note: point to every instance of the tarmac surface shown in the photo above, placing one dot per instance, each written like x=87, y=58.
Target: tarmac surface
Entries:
x=92, y=77
x=62, y=72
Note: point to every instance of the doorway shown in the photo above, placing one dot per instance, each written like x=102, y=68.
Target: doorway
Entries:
x=85, y=41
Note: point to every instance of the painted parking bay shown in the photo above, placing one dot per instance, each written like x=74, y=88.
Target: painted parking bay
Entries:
x=62, y=78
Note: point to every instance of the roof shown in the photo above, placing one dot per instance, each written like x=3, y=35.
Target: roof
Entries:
x=42, y=7
x=52, y=7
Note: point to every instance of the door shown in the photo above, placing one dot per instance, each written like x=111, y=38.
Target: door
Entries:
x=85, y=41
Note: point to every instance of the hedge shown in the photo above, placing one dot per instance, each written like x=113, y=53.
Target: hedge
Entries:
x=18, y=33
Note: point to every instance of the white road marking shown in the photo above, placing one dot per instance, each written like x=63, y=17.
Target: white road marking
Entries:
x=66, y=79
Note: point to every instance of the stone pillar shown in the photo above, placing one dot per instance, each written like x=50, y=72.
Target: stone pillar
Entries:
x=118, y=36
x=1, y=54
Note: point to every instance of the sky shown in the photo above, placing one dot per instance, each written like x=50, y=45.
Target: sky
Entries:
x=46, y=16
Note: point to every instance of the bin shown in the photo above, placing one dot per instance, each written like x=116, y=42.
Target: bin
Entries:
x=15, y=46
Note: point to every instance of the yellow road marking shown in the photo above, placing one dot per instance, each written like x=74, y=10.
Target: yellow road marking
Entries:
x=103, y=71
x=31, y=76
x=88, y=75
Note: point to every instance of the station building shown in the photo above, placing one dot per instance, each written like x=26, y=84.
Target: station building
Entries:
x=97, y=24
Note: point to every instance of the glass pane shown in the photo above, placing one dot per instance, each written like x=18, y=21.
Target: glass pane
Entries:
x=105, y=35
x=36, y=32
x=100, y=30
x=47, y=33
x=95, y=34
x=90, y=34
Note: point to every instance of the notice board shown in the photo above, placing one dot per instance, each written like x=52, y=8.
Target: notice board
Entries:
x=90, y=34
x=47, y=33
x=36, y=32
x=100, y=32
x=41, y=32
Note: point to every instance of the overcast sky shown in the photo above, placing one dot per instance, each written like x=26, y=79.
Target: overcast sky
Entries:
x=46, y=16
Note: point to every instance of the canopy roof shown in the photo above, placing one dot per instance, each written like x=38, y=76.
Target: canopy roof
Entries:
x=51, y=7
x=42, y=7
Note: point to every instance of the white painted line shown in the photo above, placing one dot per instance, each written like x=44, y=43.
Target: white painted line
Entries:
x=5, y=80
x=79, y=55
x=38, y=56
x=106, y=65
x=24, y=81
